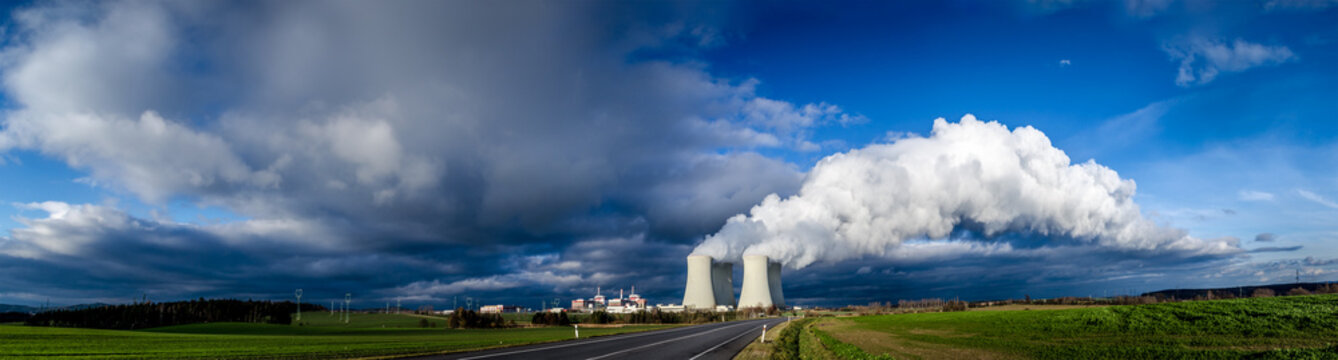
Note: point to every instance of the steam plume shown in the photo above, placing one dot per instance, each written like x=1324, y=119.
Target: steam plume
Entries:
x=970, y=174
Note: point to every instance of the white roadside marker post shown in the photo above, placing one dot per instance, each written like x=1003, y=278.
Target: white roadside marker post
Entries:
x=764, y=334
x=578, y=330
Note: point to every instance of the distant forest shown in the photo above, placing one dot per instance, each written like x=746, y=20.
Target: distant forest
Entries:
x=1248, y=291
x=149, y=315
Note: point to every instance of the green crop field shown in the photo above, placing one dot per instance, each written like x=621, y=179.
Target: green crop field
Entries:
x=319, y=336
x=1292, y=327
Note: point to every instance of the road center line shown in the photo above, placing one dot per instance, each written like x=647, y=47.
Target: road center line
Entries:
x=615, y=337
x=736, y=337
x=664, y=341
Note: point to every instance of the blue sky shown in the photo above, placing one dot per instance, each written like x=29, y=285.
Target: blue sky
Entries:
x=430, y=152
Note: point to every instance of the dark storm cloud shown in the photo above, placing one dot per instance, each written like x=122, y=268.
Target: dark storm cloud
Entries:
x=430, y=151
x=375, y=146
x=1276, y=249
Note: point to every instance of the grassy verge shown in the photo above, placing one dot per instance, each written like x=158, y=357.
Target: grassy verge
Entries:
x=367, y=335
x=803, y=339
x=1281, y=327
x=762, y=350
x=844, y=351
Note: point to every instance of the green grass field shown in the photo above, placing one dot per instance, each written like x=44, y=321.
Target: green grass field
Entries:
x=1281, y=327
x=319, y=336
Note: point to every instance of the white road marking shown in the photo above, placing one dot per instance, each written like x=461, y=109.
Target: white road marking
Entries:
x=648, y=333
x=662, y=342
x=736, y=337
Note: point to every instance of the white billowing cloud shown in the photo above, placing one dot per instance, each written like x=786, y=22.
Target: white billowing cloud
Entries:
x=1252, y=195
x=1065, y=63
x=969, y=174
x=1201, y=60
x=119, y=63
x=83, y=229
x=66, y=230
x=1317, y=198
x=149, y=155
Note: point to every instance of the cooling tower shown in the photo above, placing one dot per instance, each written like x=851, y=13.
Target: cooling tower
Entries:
x=722, y=279
x=761, y=283
x=774, y=279
x=699, y=293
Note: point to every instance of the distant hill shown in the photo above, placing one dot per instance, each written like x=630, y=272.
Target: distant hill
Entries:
x=4, y=308
x=1238, y=291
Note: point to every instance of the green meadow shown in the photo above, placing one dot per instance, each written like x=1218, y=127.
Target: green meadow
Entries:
x=1292, y=327
x=317, y=336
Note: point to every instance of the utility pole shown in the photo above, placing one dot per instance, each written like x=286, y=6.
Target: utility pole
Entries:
x=299, y=304
x=348, y=298
x=397, y=306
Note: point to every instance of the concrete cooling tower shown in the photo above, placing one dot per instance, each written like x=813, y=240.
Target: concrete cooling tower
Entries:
x=774, y=279
x=722, y=277
x=710, y=283
x=761, y=283
x=700, y=291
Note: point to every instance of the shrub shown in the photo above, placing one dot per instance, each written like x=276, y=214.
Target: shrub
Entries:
x=599, y=317
x=1262, y=292
x=787, y=343
x=1327, y=289
x=551, y=319
x=1298, y=291
x=470, y=319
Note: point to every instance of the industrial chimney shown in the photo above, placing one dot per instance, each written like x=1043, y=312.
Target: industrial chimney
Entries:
x=761, y=283
x=700, y=291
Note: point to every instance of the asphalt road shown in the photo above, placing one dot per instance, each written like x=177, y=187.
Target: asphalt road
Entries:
x=700, y=342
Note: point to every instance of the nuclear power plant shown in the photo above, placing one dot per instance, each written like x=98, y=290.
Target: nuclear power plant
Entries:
x=710, y=284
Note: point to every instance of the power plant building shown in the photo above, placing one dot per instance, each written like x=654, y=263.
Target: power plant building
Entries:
x=631, y=303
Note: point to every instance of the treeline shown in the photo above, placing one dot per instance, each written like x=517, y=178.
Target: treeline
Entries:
x=550, y=319
x=470, y=319
x=909, y=306
x=940, y=305
x=14, y=316
x=148, y=315
x=643, y=317
x=1247, y=291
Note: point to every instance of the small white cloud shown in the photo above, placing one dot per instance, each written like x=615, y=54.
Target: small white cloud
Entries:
x=1251, y=195
x=1065, y=63
x=1316, y=198
x=1146, y=8
x=864, y=270
x=894, y=136
x=1299, y=4
x=1201, y=60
